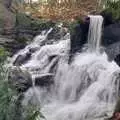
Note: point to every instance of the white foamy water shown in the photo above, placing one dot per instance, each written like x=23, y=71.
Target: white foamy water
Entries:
x=36, y=44
x=86, y=89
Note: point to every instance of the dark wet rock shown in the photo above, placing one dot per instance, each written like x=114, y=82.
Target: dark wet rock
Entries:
x=76, y=41
x=44, y=80
x=21, y=59
x=113, y=51
x=34, y=49
x=111, y=41
x=111, y=34
x=21, y=80
x=108, y=18
x=52, y=57
x=78, y=37
x=117, y=59
x=14, y=47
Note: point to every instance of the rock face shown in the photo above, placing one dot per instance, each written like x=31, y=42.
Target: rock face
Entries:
x=108, y=19
x=11, y=44
x=111, y=41
x=21, y=59
x=111, y=34
x=117, y=59
x=79, y=36
x=20, y=79
x=44, y=80
x=113, y=50
x=7, y=18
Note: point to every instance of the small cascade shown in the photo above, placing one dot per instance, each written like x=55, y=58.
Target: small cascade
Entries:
x=35, y=45
x=86, y=89
x=39, y=58
x=95, y=32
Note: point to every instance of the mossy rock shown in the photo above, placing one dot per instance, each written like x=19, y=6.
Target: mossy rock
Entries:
x=22, y=39
x=25, y=21
x=38, y=24
x=22, y=20
x=1, y=16
x=20, y=79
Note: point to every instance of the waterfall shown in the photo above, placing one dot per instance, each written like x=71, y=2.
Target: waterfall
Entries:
x=86, y=89
x=95, y=30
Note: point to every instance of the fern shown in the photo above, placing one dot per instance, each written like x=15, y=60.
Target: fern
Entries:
x=10, y=101
x=33, y=113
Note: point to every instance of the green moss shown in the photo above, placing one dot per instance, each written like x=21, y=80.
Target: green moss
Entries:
x=38, y=24
x=113, y=7
x=10, y=101
x=3, y=54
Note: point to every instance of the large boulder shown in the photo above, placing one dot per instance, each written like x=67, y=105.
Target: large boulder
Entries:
x=111, y=34
x=79, y=36
x=21, y=59
x=113, y=50
x=20, y=79
x=108, y=18
x=111, y=41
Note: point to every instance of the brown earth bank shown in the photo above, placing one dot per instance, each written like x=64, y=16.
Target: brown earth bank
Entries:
x=63, y=11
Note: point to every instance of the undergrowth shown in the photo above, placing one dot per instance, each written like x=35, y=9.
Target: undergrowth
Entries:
x=10, y=100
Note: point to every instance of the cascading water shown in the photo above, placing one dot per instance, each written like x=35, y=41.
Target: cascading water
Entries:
x=86, y=89
x=95, y=30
